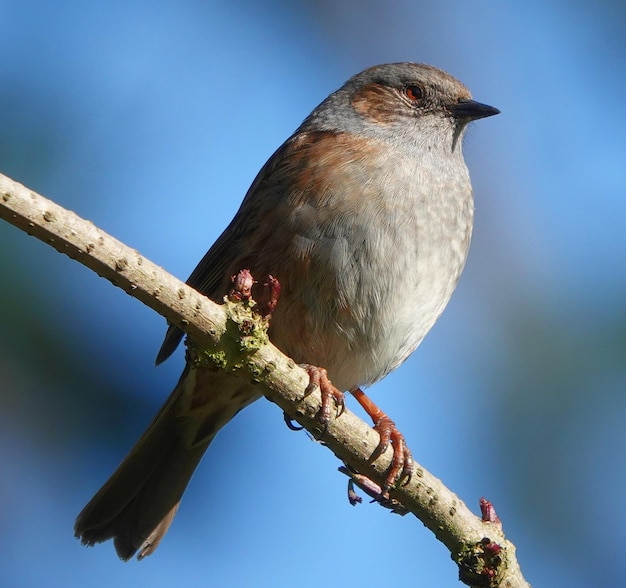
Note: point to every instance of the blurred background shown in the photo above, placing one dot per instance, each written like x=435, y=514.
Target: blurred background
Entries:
x=152, y=119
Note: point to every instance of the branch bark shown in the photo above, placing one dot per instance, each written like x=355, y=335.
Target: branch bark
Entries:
x=484, y=556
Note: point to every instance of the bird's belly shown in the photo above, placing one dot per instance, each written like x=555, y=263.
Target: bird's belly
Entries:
x=362, y=315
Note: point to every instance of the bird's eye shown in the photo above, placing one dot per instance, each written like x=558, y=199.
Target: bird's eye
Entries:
x=413, y=93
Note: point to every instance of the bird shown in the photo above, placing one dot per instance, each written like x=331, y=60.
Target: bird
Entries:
x=364, y=216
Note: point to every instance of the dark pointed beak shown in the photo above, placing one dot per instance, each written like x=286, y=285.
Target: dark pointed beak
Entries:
x=472, y=110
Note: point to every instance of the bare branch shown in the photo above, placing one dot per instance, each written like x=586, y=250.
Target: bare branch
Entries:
x=484, y=556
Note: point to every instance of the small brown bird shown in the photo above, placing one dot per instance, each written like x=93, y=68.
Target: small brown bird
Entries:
x=364, y=215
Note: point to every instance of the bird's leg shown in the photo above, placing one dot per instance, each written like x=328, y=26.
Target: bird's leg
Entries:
x=402, y=462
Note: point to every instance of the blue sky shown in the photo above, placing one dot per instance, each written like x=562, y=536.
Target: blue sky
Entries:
x=152, y=120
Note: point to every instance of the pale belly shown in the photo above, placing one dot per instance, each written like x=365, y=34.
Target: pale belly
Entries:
x=370, y=293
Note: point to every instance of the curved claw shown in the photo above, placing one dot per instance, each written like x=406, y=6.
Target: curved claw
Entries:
x=290, y=423
x=318, y=379
x=353, y=497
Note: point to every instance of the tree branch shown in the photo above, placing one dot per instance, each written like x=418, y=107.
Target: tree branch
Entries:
x=478, y=546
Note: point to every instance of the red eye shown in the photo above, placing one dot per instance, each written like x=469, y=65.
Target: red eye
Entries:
x=413, y=93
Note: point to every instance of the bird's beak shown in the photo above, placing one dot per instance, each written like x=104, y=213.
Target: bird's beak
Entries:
x=472, y=110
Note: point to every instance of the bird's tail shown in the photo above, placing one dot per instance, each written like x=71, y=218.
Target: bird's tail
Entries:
x=136, y=506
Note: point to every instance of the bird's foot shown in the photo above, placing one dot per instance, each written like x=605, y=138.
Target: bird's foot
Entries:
x=373, y=490
x=318, y=379
x=401, y=467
